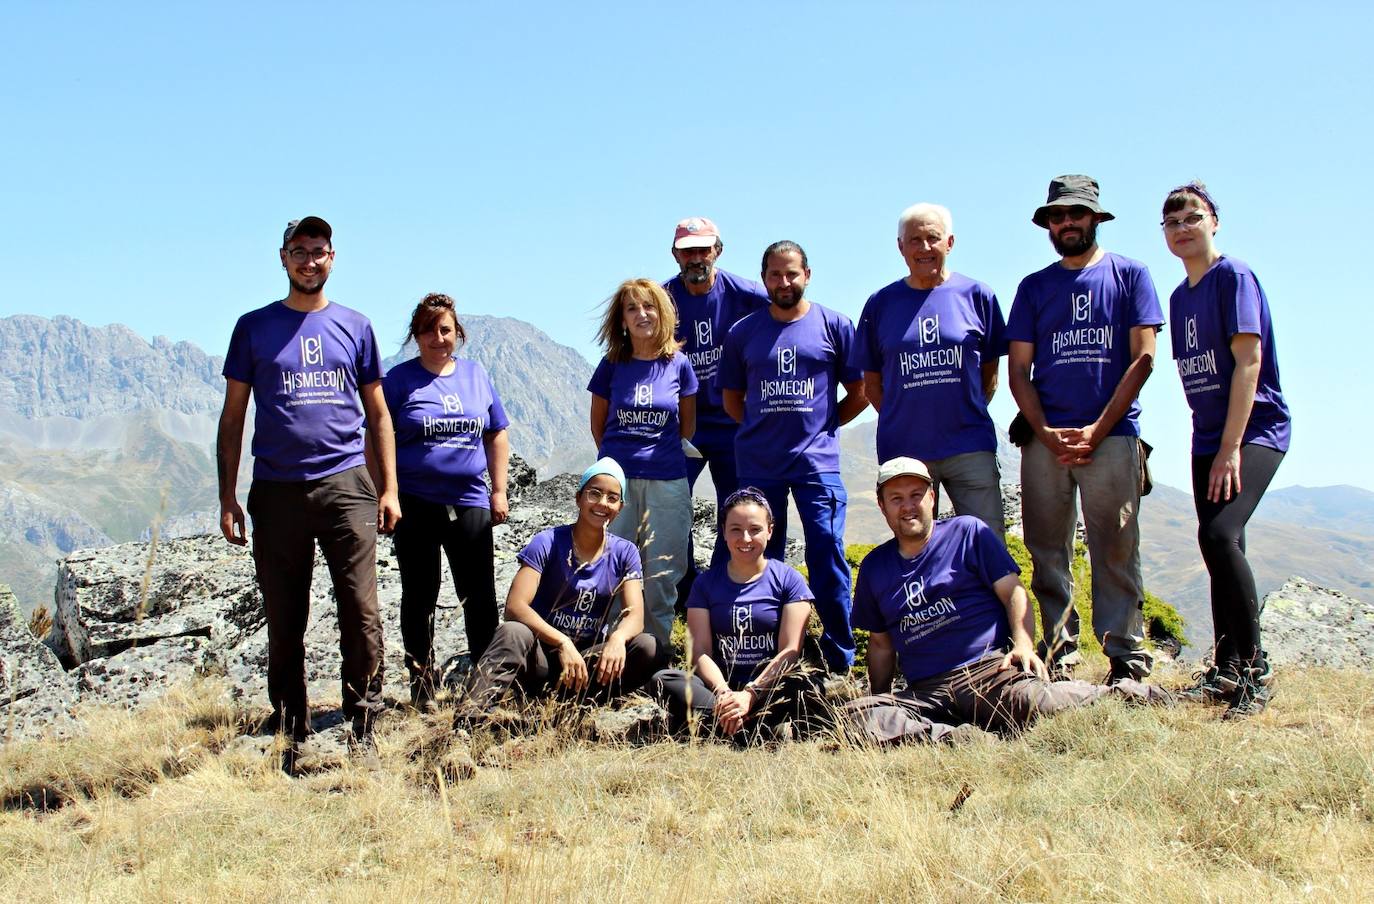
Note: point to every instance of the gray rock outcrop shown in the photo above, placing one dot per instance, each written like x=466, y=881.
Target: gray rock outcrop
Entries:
x=1307, y=625
x=36, y=695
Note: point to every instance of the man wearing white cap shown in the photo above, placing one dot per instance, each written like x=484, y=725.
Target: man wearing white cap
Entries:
x=709, y=301
x=944, y=601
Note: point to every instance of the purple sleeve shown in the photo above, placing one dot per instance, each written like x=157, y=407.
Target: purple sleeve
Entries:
x=794, y=587
x=600, y=383
x=536, y=552
x=627, y=563
x=1021, y=320
x=687, y=377
x=369, y=361
x=1240, y=302
x=731, y=373
x=865, y=613
x=994, y=562
x=1145, y=309
x=994, y=339
x=844, y=347
x=865, y=355
x=696, y=597
x=238, y=361
x=496, y=413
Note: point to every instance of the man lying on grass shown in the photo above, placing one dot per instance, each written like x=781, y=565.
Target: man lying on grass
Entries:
x=945, y=601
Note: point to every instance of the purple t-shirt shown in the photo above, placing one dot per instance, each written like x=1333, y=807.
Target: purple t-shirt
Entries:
x=745, y=618
x=305, y=370
x=1203, y=319
x=790, y=374
x=440, y=422
x=930, y=346
x=702, y=322
x=577, y=600
x=1080, y=322
x=939, y=608
x=643, y=432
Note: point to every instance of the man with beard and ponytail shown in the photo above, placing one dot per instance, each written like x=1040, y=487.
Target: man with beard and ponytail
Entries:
x=944, y=603
x=313, y=368
x=929, y=346
x=1082, y=335
x=780, y=376
x=709, y=301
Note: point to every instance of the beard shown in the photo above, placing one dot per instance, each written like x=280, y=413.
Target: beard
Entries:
x=303, y=289
x=788, y=302
x=1078, y=246
x=696, y=273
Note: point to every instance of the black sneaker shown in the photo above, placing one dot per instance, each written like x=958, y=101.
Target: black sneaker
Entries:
x=1119, y=672
x=1250, y=698
x=1213, y=685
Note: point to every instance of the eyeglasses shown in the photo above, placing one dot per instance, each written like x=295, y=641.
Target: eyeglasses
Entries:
x=314, y=255
x=1191, y=221
x=1060, y=214
x=597, y=496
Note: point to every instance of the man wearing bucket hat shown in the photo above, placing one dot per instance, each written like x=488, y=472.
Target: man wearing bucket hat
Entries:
x=313, y=369
x=1082, y=335
x=709, y=301
x=943, y=601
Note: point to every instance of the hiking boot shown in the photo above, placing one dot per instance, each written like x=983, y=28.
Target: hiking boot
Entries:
x=362, y=745
x=1120, y=671
x=1251, y=697
x=1212, y=685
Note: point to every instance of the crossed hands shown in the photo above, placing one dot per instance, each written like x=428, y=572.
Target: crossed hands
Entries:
x=731, y=709
x=1072, y=446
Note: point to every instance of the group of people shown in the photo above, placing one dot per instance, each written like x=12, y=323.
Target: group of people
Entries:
x=754, y=380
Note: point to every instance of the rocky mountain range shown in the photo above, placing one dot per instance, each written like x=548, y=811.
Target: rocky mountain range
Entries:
x=103, y=432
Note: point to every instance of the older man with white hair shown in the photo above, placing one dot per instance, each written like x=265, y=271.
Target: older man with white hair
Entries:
x=928, y=345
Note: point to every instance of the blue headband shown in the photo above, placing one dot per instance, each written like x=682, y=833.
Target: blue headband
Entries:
x=607, y=466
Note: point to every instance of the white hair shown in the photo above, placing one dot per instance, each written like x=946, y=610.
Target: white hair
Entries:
x=921, y=211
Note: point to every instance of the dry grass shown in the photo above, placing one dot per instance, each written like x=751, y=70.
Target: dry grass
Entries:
x=1109, y=804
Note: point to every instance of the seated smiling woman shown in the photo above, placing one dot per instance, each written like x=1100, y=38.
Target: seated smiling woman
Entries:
x=561, y=630
x=746, y=618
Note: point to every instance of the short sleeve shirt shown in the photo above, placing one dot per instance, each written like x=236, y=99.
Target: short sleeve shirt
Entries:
x=1203, y=319
x=305, y=369
x=790, y=374
x=702, y=322
x=576, y=599
x=939, y=607
x=440, y=422
x=746, y=618
x=1080, y=322
x=930, y=346
x=643, y=432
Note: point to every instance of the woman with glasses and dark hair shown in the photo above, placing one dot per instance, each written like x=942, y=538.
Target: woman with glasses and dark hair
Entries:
x=746, y=618
x=643, y=409
x=562, y=630
x=450, y=433
x=1223, y=343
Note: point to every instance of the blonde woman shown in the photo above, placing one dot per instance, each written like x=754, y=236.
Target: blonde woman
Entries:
x=643, y=407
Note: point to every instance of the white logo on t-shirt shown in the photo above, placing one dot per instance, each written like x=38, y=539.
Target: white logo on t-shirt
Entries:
x=644, y=395
x=787, y=360
x=452, y=404
x=1082, y=305
x=930, y=330
x=703, y=332
x=1192, y=333
x=585, y=597
x=916, y=593
x=312, y=351
x=744, y=619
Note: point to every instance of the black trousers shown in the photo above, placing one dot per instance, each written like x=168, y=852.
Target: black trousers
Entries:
x=516, y=656
x=340, y=511
x=797, y=697
x=425, y=528
x=1221, y=536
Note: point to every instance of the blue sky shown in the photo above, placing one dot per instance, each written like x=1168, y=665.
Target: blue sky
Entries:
x=526, y=161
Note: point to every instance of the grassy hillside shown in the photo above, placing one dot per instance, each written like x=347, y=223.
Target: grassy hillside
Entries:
x=1108, y=803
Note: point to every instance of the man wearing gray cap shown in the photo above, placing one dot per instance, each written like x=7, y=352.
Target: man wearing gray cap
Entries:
x=1082, y=333
x=313, y=368
x=944, y=602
